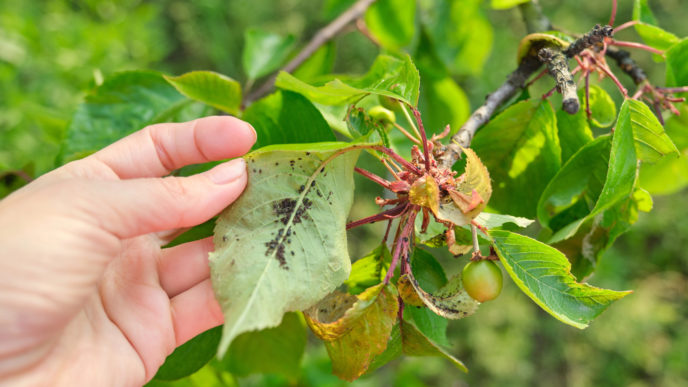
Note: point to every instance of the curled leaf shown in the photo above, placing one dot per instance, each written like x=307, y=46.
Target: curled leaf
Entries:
x=451, y=301
x=360, y=333
x=407, y=292
x=425, y=193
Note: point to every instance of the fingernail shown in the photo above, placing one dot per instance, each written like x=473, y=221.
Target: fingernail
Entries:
x=228, y=172
x=255, y=134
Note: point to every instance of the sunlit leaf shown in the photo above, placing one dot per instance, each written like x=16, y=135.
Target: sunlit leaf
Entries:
x=676, y=69
x=506, y=4
x=369, y=270
x=216, y=90
x=651, y=142
x=544, y=274
x=602, y=106
x=282, y=245
x=647, y=27
x=389, y=76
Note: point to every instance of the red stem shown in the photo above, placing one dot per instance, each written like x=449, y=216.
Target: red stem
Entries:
x=641, y=46
x=611, y=75
x=625, y=25
x=682, y=89
x=402, y=245
x=613, y=15
x=384, y=215
x=375, y=178
x=424, y=137
x=398, y=159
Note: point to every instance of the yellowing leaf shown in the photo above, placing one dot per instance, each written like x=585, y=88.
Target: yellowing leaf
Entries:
x=476, y=179
x=366, y=328
x=407, y=292
x=425, y=193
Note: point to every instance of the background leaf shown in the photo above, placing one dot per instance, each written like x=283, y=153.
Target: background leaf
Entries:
x=282, y=245
x=676, y=70
x=275, y=350
x=123, y=104
x=602, y=106
x=216, y=90
x=573, y=131
x=544, y=275
x=369, y=270
x=285, y=117
x=648, y=30
x=318, y=64
x=264, y=52
x=524, y=159
x=392, y=22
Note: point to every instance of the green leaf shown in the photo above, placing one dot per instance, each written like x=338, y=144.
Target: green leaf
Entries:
x=544, y=275
x=491, y=221
x=389, y=76
x=274, y=350
x=676, y=59
x=190, y=356
x=264, y=52
x=651, y=142
x=414, y=343
x=524, y=158
x=392, y=22
x=365, y=329
x=123, y=104
x=430, y=276
x=602, y=106
x=574, y=190
x=619, y=181
x=573, y=132
x=369, y=270
x=443, y=102
x=648, y=30
x=282, y=245
x=287, y=118
x=506, y=4
x=460, y=32
x=216, y=90
x=318, y=64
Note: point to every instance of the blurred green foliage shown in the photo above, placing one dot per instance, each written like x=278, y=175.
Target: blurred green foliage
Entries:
x=53, y=51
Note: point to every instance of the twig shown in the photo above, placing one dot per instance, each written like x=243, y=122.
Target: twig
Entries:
x=462, y=138
x=321, y=37
x=594, y=37
x=559, y=70
x=627, y=65
x=613, y=15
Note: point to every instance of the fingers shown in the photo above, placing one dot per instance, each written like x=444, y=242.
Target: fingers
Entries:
x=159, y=149
x=195, y=311
x=181, y=267
x=135, y=207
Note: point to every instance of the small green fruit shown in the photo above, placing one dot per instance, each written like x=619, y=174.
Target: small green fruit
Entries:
x=482, y=280
x=389, y=103
x=381, y=114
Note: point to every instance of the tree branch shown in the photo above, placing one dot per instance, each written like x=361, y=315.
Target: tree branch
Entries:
x=595, y=36
x=558, y=68
x=321, y=37
x=533, y=17
x=627, y=65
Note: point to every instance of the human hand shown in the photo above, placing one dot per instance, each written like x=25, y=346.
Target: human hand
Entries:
x=87, y=295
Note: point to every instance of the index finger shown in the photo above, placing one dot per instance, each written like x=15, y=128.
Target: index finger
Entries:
x=159, y=149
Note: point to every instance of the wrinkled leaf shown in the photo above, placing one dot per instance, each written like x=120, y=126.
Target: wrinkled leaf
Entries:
x=361, y=332
x=524, y=159
x=389, y=76
x=392, y=22
x=451, y=301
x=274, y=350
x=651, y=142
x=216, y=90
x=476, y=178
x=264, y=52
x=282, y=245
x=287, y=118
x=544, y=274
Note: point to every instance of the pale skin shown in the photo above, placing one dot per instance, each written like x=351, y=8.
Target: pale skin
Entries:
x=88, y=296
